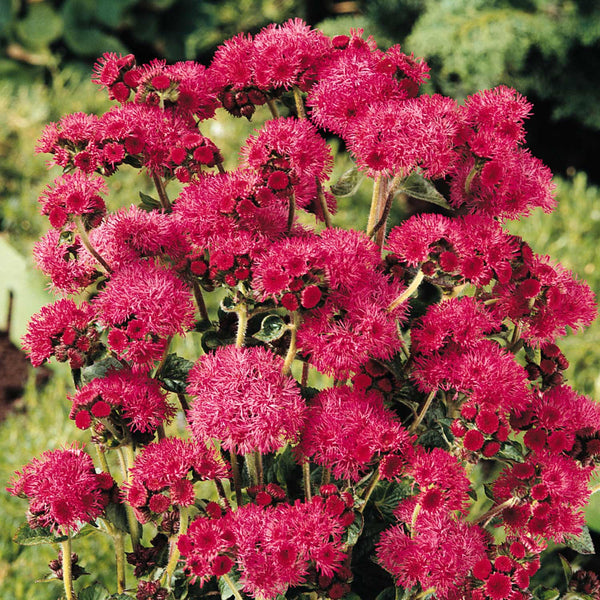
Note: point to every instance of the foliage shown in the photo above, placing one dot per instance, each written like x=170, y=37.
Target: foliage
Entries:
x=176, y=29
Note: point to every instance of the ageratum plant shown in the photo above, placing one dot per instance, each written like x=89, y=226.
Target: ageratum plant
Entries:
x=431, y=345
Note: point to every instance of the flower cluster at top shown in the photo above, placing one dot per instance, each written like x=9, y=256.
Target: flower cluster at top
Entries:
x=475, y=359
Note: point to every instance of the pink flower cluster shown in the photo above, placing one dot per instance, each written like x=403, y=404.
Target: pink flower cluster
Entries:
x=411, y=392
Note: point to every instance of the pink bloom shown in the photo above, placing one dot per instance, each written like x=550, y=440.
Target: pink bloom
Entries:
x=353, y=326
x=59, y=327
x=63, y=490
x=67, y=262
x=132, y=401
x=128, y=235
x=486, y=373
x=562, y=300
x=396, y=136
x=439, y=470
x=149, y=293
x=167, y=469
x=287, y=55
x=461, y=321
x=74, y=194
x=290, y=267
x=242, y=398
x=347, y=431
x=349, y=81
x=292, y=147
x=440, y=554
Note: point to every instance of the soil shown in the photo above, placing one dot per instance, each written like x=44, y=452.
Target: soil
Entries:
x=14, y=372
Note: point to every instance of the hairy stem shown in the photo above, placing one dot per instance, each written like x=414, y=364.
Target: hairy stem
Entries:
x=423, y=412
x=369, y=490
x=66, y=569
x=134, y=526
x=242, y=313
x=323, y=204
x=221, y=493
x=291, y=211
x=120, y=561
x=408, y=292
x=237, y=480
x=162, y=192
x=374, y=199
x=306, y=480
x=291, y=353
x=232, y=587
x=299, y=103
x=174, y=550
x=86, y=242
x=486, y=517
x=200, y=301
x=273, y=108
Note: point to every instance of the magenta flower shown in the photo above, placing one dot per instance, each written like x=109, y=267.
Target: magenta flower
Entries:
x=164, y=472
x=348, y=431
x=130, y=401
x=63, y=489
x=242, y=398
x=159, y=302
x=440, y=553
x=63, y=330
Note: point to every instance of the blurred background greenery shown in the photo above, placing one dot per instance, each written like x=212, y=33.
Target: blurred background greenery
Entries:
x=548, y=49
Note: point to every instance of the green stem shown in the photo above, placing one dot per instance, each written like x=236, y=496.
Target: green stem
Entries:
x=273, y=108
x=163, y=358
x=424, y=410
x=162, y=193
x=325, y=476
x=413, y=519
x=306, y=480
x=408, y=292
x=221, y=493
x=200, y=301
x=237, y=480
x=372, y=485
x=66, y=569
x=291, y=211
x=232, y=587
x=323, y=204
x=374, y=203
x=242, y=313
x=299, y=103
x=291, y=353
x=134, y=529
x=120, y=560
x=490, y=514
x=304, y=378
x=174, y=557
x=102, y=459
x=86, y=242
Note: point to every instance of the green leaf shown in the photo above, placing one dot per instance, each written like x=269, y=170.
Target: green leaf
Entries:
x=211, y=340
x=224, y=589
x=228, y=305
x=174, y=373
x=388, y=594
x=96, y=591
x=285, y=466
x=355, y=529
x=542, y=593
x=271, y=328
x=100, y=368
x=40, y=27
x=416, y=186
x=582, y=543
x=567, y=568
x=347, y=184
x=148, y=203
x=511, y=451
x=26, y=536
x=117, y=515
x=120, y=597
x=386, y=498
x=577, y=596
